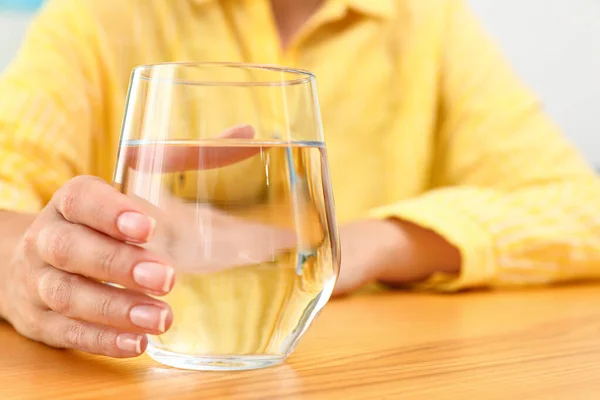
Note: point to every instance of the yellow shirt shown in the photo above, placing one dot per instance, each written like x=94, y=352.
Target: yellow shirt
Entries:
x=423, y=120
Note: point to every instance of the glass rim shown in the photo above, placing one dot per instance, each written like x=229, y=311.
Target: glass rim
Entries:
x=300, y=76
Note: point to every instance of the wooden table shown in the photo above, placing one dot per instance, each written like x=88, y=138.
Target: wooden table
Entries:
x=537, y=344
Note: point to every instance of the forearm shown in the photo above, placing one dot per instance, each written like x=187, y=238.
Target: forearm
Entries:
x=12, y=225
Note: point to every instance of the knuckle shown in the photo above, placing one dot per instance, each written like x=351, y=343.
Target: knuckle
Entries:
x=27, y=257
x=104, y=341
x=109, y=262
x=87, y=179
x=57, y=242
x=30, y=325
x=67, y=201
x=56, y=292
x=29, y=241
x=104, y=309
x=75, y=335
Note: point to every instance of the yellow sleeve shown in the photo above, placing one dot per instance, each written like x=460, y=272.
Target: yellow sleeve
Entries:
x=46, y=102
x=509, y=191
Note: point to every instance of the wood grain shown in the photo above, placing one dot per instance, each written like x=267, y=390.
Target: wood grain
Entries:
x=536, y=344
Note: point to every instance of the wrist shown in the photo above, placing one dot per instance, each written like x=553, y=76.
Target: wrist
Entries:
x=13, y=225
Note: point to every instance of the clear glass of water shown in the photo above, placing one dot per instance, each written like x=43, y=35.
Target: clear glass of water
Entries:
x=230, y=161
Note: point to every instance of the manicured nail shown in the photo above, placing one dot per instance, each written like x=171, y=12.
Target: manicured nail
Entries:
x=136, y=226
x=154, y=276
x=149, y=317
x=130, y=343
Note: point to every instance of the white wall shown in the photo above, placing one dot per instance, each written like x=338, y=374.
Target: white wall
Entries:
x=12, y=28
x=553, y=44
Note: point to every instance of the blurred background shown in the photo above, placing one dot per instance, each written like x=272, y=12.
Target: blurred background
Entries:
x=553, y=44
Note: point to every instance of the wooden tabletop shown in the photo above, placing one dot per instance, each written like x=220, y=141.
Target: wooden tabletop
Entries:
x=535, y=344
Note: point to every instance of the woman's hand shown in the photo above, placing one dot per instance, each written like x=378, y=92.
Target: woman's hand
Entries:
x=52, y=290
x=391, y=251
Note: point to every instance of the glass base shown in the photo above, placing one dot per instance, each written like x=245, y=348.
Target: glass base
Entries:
x=213, y=363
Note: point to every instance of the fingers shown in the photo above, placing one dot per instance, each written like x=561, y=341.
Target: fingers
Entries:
x=177, y=157
x=90, y=201
x=62, y=332
x=79, y=298
x=79, y=250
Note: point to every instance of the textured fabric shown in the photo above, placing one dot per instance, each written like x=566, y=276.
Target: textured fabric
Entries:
x=423, y=120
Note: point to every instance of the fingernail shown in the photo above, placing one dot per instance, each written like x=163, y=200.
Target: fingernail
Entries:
x=130, y=343
x=136, y=226
x=154, y=276
x=149, y=317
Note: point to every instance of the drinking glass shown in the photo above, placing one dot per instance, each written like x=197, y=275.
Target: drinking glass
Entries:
x=229, y=160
